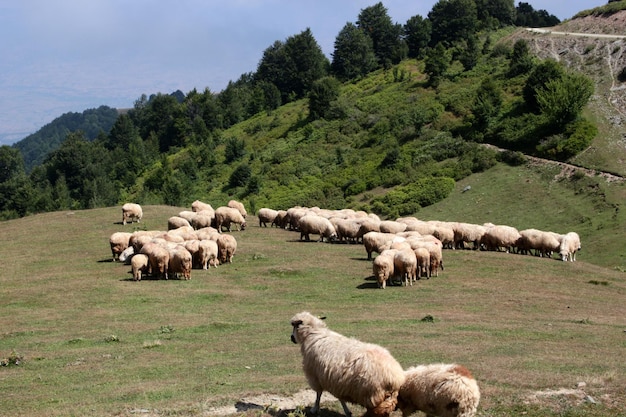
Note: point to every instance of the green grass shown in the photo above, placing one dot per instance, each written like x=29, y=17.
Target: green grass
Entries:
x=93, y=342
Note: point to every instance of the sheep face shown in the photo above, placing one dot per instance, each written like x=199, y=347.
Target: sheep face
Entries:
x=303, y=323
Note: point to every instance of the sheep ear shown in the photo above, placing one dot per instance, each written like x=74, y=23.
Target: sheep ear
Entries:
x=296, y=323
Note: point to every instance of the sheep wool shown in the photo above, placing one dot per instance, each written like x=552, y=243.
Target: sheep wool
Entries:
x=443, y=390
x=351, y=370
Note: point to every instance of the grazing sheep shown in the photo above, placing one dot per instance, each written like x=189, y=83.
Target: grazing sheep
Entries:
x=467, y=233
x=434, y=247
x=389, y=226
x=368, y=225
x=544, y=243
x=187, y=215
x=131, y=212
x=199, y=206
x=347, y=229
x=127, y=254
x=378, y=242
x=159, y=258
x=226, y=248
x=175, y=222
x=443, y=390
x=180, y=262
x=207, y=233
x=383, y=267
x=239, y=206
x=193, y=246
x=203, y=218
x=224, y=216
x=445, y=234
x=569, y=246
x=266, y=215
x=279, y=220
x=139, y=264
x=405, y=265
x=207, y=253
x=317, y=225
x=500, y=236
x=140, y=238
x=351, y=370
x=422, y=255
x=119, y=241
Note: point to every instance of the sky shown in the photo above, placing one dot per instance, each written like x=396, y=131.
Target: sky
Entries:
x=59, y=56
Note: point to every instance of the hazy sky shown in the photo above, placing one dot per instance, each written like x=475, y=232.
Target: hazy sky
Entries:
x=59, y=56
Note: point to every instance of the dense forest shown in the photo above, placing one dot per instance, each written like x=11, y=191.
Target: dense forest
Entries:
x=400, y=107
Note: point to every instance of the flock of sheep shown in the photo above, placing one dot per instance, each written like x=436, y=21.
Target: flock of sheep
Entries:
x=409, y=248
x=368, y=375
x=193, y=239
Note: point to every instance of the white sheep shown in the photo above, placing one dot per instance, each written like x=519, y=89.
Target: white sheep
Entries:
x=266, y=215
x=131, y=212
x=378, y=242
x=279, y=220
x=317, y=225
x=405, y=265
x=208, y=253
x=158, y=256
x=127, y=254
x=351, y=370
x=383, y=267
x=175, y=222
x=544, y=243
x=226, y=248
x=443, y=390
x=180, y=262
x=139, y=264
x=467, y=233
x=203, y=218
x=119, y=241
x=422, y=255
x=569, y=246
x=239, y=206
x=199, y=206
x=497, y=237
x=368, y=225
x=390, y=226
x=224, y=216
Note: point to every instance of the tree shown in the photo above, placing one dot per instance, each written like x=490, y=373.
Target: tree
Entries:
x=386, y=36
x=436, y=64
x=16, y=191
x=494, y=14
x=323, y=92
x=527, y=16
x=470, y=53
x=563, y=99
x=539, y=77
x=235, y=149
x=354, y=53
x=487, y=104
x=417, y=32
x=452, y=21
x=521, y=60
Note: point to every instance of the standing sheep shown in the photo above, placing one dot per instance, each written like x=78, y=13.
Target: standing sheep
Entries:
x=224, y=216
x=199, y=206
x=569, y=246
x=119, y=241
x=317, y=225
x=266, y=215
x=239, y=206
x=422, y=255
x=390, y=226
x=443, y=390
x=405, y=265
x=175, y=222
x=226, y=248
x=180, y=262
x=207, y=253
x=500, y=236
x=378, y=242
x=139, y=264
x=383, y=267
x=351, y=370
x=159, y=258
x=131, y=212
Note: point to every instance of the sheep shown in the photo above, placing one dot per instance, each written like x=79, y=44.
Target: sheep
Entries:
x=368, y=225
x=239, y=206
x=500, y=236
x=207, y=233
x=226, y=248
x=351, y=370
x=314, y=224
x=544, y=243
x=383, y=267
x=187, y=215
x=119, y=241
x=199, y=206
x=347, y=229
x=279, y=220
x=389, y=226
x=131, y=212
x=175, y=222
x=207, y=253
x=266, y=215
x=224, y=216
x=422, y=255
x=203, y=218
x=434, y=247
x=405, y=265
x=444, y=390
x=466, y=233
x=378, y=242
x=159, y=258
x=193, y=246
x=180, y=262
x=127, y=254
x=445, y=234
x=569, y=246
x=139, y=264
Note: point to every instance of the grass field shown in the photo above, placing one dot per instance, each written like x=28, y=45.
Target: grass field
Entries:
x=90, y=341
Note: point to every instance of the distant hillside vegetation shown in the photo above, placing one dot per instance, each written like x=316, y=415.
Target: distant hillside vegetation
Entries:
x=92, y=122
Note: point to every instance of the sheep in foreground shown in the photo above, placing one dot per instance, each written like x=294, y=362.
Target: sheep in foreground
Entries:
x=158, y=257
x=351, y=370
x=131, y=212
x=443, y=390
x=119, y=241
x=224, y=216
x=316, y=225
x=569, y=246
x=383, y=267
x=266, y=215
x=226, y=248
x=180, y=262
x=139, y=264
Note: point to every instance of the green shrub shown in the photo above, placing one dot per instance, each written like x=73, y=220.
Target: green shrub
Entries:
x=576, y=138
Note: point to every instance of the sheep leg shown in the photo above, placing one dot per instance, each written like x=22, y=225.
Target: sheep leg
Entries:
x=346, y=410
x=316, y=408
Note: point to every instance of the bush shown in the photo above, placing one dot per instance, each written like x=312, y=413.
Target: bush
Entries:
x=512, y=158
x=408, y=199
x=576, y=138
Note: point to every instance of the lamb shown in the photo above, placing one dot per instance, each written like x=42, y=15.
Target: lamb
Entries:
x=378, y=242
x=351, y=370
x=266, y=215
x=180, y=262
x=131, y=212
x=405, y=265
x=314, y=224
x=207, y=253
x=569, y=246
x=383, y=267
x=224, y=216
x=226, y=248
x=444, y=390
x=239, y=206
x=139, y=264
x=119, y=241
